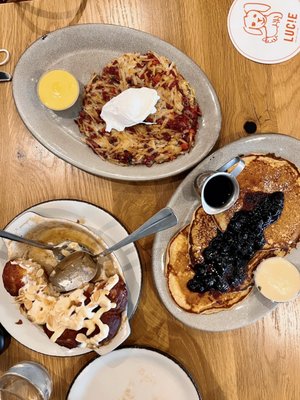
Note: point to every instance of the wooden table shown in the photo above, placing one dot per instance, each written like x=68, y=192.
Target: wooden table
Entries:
x=260, y=361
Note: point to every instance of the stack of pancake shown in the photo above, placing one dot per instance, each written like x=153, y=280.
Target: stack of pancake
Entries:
x=262, y=174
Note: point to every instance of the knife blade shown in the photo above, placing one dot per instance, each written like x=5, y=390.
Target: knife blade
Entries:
x=5, y=76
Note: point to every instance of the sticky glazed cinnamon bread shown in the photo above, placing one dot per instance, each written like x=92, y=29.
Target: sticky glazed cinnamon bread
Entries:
x=87, y=317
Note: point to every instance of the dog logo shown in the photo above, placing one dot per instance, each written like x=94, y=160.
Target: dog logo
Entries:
x=257, y=21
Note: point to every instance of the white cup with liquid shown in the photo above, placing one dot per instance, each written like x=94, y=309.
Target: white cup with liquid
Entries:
x=219, y=189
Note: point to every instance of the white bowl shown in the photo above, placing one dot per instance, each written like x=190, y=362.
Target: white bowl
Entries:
x=32, y=224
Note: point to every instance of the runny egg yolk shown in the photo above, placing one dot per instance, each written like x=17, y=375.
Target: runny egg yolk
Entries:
x=58, y=89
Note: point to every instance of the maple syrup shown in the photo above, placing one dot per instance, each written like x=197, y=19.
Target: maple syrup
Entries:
x=218, y=191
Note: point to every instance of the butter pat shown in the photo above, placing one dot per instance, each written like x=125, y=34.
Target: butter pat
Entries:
x=129, y=108
x=277, y=279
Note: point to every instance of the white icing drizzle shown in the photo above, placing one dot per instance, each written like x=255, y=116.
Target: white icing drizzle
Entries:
x=46, y=306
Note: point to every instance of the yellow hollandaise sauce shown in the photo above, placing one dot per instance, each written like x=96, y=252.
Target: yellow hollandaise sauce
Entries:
x=58, y=89
x=277, y=279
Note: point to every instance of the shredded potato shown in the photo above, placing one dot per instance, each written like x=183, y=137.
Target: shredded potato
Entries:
x=174, y=124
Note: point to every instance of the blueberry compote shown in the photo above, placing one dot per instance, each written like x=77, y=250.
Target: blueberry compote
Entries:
x=227, y=255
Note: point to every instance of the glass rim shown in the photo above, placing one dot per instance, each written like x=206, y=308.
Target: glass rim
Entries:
x=8, y=373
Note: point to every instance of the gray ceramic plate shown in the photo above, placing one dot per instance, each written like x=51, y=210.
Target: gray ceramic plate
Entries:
x=184, y=202
x=83, y=50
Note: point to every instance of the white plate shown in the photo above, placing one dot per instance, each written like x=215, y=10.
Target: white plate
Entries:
x=98, y=221
x=83, y=50
x=184, y=202
x=134, y=374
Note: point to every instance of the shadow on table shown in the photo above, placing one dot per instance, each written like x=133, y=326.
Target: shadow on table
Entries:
x=213, y=390
x=28, y=13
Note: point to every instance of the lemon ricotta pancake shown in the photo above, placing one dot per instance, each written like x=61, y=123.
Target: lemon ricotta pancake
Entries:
x=210, y=263
x=179, y=273
x=170, y=131
x=268, y=174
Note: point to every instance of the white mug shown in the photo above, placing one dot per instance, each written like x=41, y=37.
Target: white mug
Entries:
x=219, y=189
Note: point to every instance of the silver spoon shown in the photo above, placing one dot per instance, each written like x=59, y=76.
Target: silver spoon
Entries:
x=57, y=249
x=82, y=266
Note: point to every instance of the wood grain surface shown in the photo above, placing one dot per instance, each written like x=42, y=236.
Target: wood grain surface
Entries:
x=260, y=361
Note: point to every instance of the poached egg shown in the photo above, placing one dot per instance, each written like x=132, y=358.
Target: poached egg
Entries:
x=129, y=108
